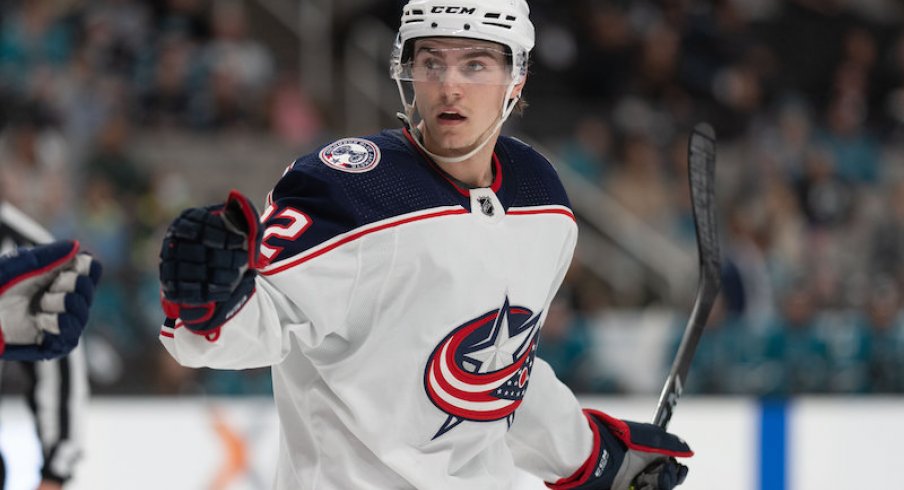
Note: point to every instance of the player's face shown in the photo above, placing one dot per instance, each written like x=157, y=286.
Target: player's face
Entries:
x=459, y=86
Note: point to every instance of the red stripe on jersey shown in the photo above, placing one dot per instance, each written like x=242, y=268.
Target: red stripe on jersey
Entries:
x=170, y=331
x=497, y=180
x=524, y=212
x=355, y=236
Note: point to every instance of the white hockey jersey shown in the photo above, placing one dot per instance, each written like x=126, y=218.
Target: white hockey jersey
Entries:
x=400, y=314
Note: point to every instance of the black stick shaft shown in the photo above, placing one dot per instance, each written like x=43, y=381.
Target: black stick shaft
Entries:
x=701, y=176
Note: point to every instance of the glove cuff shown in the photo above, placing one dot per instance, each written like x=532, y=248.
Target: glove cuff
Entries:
x=206, y=319
x=612, y=439
x=607, y=453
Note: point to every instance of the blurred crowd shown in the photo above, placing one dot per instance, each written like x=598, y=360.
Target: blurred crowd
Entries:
x=78, y=82
x=807, y=97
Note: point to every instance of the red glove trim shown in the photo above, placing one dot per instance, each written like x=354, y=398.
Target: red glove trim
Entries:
x=212, y=334
x=620, y=429
x=583, y=473
x=210, y=308
x=174, y=310
x=255, y=261
x=170, y=308
x=37, y=272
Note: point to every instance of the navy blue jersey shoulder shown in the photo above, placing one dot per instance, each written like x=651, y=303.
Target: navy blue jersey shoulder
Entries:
x=337, y=201
x=529, y=179
x=337, y=193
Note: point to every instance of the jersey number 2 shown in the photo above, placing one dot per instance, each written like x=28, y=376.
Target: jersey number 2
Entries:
x=292, y=224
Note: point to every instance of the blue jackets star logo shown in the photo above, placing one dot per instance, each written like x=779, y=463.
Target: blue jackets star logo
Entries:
x=480, y=371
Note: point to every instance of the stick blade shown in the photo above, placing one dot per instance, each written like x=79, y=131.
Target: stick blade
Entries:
x=701, y=158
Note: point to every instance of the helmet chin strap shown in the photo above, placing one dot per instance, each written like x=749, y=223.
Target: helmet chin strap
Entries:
x=507, y=108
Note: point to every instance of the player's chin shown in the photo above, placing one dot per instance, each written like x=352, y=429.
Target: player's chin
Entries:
x=448, y=140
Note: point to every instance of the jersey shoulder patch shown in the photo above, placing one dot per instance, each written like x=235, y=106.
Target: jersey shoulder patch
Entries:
x=353, y=155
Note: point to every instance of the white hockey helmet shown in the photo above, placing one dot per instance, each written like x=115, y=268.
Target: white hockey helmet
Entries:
x=505, y=22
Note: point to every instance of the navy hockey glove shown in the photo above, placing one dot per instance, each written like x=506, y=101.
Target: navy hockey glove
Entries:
x=629, y=455
x=208, y=263
x=45, y=295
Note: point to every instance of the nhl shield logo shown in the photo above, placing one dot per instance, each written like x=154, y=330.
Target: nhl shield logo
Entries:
x=480, y=371
x=486, y=206
x=353, y=155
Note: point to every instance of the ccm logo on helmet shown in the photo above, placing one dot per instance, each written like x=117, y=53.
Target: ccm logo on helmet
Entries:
x=453, y=10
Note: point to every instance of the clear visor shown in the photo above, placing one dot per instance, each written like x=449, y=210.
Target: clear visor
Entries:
x=477, y=65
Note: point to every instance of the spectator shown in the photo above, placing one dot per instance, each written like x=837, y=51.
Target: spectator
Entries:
x=32, y=38
x=638, y=181
x=589, y=151
x=168, y=88
x=885, y=331
x=723, y=361
x=825, y=196
x=239, y=70
x=34, y=171
x=794, y=345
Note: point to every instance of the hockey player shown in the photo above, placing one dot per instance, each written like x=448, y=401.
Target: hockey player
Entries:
x=397, y=285
x=45, y=294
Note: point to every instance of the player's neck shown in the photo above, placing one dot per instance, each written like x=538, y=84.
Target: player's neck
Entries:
x=476, y=171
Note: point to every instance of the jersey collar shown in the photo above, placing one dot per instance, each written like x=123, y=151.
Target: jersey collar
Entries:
x=462, y=189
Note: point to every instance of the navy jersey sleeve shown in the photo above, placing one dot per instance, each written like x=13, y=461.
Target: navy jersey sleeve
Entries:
x=306, y=210
x=350, y=183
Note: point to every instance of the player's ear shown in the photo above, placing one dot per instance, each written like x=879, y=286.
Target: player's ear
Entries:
x=516, y=92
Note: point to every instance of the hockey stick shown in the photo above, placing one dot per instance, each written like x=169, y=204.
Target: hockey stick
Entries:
x=701, y=161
